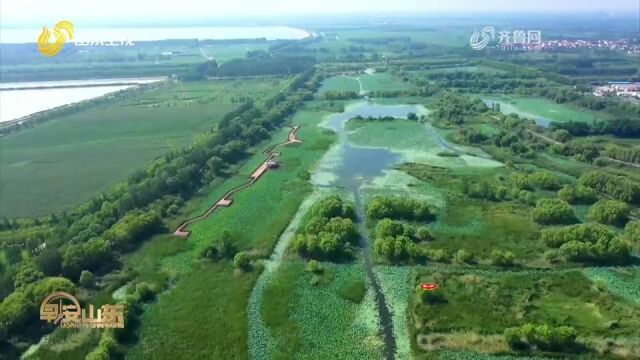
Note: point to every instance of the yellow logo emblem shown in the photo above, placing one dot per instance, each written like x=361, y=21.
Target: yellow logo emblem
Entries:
x=63, y=309
x=62, y=32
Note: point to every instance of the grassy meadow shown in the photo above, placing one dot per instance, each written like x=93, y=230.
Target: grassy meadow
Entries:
x=65, y=161
x=533, y=108
x=215, y=293
x=479, y=305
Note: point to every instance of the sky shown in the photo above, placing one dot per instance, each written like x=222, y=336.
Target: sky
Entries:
x=43, y=12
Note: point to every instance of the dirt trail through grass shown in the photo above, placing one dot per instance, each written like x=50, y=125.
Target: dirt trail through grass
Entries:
x=226, y=199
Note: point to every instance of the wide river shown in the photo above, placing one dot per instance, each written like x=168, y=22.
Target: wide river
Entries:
x=25, y=98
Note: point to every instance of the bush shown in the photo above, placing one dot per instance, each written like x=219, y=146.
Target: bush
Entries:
x=513, y=336
x=423, y=234
x=328, y=232
x=146, y=290
x=588, y=242
x=544, y=337
x=242, y=261
x=611, y=212
x=632, y=231
x=544, y=180
x=501, y=258
x=314, y=266
x=463, y=257
x=353, y=291
x=380, y=207
x=433, y=297
x=578, y=195
x=553, y=211
x=87, y=279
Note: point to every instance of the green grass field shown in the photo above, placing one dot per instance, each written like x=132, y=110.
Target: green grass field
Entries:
x=482, y=304
x=65, y=161
x=531, y=107
x=268, y=206
x=319, y=321
x=382, y=82
x=340, y=83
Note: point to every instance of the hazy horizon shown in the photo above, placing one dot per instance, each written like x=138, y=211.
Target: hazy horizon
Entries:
x=28, y=13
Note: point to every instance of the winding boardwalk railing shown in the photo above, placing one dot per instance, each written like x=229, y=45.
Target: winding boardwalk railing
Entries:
x=226, y=200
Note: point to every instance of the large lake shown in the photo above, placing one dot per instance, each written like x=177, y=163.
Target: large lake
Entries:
x=27, y=98
x=11, y=35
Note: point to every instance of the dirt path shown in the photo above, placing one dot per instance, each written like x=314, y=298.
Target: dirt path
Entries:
x=226, y=200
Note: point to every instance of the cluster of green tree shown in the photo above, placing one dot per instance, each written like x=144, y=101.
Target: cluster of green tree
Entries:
x=587, y=243
x=527, y=81
x=396, y=241
x=254, y=66
x=495, y=191
x=454, y=108
x=578, y=194
x=610, y=212
x=632, y=232
x=339, y=95
x=627, y=154
x=92, y=236
x=553, y=211
x=628, y=127
x=541, y=337
x=618, y=187
x=393, y=207
x=502, y=258
x=20, y=309
x=328, y=230
x=584, y=150
x=373, y=118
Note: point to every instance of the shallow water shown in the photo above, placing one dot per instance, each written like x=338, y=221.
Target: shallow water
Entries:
x=358, y=165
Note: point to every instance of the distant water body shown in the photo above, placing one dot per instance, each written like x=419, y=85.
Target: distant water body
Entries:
x=26, y=98
x=17, y=36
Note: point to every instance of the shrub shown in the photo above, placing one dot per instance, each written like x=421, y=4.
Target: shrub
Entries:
x=610, y=212
x=353, y=291
x=513, y=336
x=544, y=180
x=578, y=194
x=380, y=207
x=432, y=297
x=314, y=266
x=541, y=336
x=553, y=211
x=501, y=258
x=87, y=279
x=632, y=231
x=463, y=257
x=423, y=234
x=241, y=261
x=146, y=290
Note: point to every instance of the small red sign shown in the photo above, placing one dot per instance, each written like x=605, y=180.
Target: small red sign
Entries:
x=428, y=287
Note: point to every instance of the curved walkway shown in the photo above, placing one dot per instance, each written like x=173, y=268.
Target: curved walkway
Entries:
x=226, y=200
